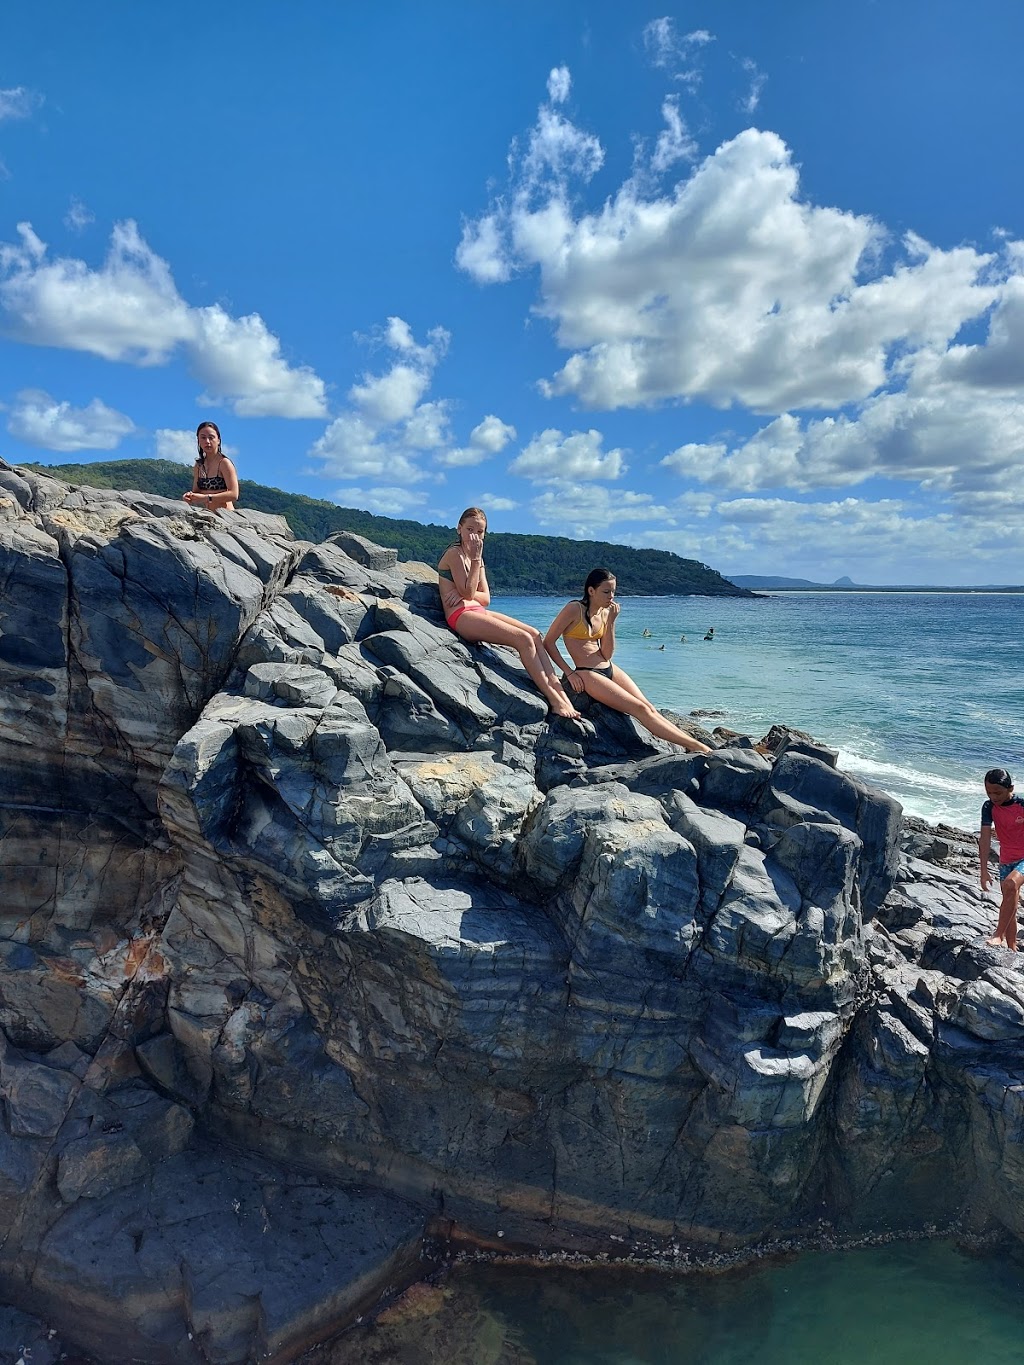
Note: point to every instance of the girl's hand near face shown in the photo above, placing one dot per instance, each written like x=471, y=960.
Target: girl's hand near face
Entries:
x=613, y=611
x=474, y=543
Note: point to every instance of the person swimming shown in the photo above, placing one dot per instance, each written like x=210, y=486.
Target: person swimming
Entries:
x=711, y=633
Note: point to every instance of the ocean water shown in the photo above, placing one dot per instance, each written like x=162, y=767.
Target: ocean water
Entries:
x=919, y=692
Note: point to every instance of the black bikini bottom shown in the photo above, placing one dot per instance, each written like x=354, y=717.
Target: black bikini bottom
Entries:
x=605, y=670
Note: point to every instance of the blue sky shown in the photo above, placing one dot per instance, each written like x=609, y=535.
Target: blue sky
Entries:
x=740, y=280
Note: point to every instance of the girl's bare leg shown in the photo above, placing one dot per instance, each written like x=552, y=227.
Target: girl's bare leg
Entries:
x=620, y=676
x=1006, y=929
x=492, y=628
x=546, y=661
x=611, y=693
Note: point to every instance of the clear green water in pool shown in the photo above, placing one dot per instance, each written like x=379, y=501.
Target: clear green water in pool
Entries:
x=917, y=1303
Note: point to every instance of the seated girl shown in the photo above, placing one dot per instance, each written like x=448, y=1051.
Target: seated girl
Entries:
x=466, y=599
x=588, y=628
x=214, y=481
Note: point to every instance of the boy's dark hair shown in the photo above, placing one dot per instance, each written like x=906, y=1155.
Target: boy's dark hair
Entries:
x=999, y=777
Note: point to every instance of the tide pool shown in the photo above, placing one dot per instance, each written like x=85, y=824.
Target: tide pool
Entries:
x=912, y=1303
x=920, y=692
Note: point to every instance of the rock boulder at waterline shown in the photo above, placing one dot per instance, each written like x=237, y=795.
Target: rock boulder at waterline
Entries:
x=317, y=935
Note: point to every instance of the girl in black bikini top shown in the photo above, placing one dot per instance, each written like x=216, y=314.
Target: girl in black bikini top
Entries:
x=219, y=489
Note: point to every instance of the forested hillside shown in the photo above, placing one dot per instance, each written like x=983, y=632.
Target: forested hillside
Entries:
x=543, y=565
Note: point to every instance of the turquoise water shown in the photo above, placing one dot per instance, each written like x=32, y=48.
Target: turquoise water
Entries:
x=920, y=692
x=912, y=1304
x=915, y=1303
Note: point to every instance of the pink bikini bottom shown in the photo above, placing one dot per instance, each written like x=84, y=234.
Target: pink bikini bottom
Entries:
x=466, y=606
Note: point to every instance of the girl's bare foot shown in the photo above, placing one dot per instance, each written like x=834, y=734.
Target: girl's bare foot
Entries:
x=562, y=706
x=994, y=943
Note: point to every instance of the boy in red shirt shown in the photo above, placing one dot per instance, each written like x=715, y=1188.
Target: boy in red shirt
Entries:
x=1006, y=812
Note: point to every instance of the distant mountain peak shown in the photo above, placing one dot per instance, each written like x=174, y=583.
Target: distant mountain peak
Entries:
x=844, y=582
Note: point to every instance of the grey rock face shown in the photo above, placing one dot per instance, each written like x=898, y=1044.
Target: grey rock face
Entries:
x=220, y=1259
x=288, y=866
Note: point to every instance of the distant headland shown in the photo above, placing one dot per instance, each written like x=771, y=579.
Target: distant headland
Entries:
x=772, y=583
x=520, y=565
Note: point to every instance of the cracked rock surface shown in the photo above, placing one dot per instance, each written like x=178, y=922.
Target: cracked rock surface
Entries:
x=316, y=934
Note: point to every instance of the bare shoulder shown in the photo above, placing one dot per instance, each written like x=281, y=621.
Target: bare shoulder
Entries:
x=567, y=615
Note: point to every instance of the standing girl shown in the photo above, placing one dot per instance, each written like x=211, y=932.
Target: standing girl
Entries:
x=1006, y=812
x=214, y=481
x=588, y=628
x=466, y=600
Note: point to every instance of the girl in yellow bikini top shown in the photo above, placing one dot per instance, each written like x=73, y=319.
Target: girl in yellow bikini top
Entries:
x=584, y=629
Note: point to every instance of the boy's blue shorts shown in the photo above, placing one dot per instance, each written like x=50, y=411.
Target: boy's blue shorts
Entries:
x=1006, y=868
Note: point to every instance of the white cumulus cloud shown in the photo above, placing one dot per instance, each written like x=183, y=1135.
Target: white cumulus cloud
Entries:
x=386, y=502
x=130, y=310
x=941, y=431
x=556, y=151
x=240, y=362
x=731, y=288
x=482, y=253
x=492, y=434
x=173, y=444
x=584, y=510
x=390, y=423
x=39, y=420
x=553, y=457
x=488, y=438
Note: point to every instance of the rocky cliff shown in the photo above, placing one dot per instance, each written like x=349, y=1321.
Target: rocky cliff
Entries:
x=318, y=937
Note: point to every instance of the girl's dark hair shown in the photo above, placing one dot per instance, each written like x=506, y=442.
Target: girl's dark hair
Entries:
x=469, y=512
x=594, y=580
x=200, y=458
x=999, y=777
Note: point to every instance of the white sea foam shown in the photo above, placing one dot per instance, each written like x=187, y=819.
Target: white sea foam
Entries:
x=929, y=795
x=883, y=773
